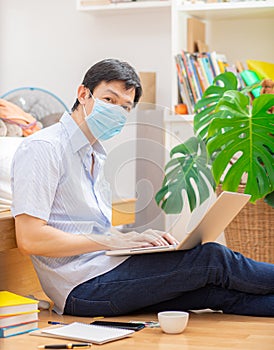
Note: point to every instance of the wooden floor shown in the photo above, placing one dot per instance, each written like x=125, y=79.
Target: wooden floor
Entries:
x=205, y=331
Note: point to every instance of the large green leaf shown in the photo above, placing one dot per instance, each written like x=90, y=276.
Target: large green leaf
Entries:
x=241, y=141
x=238, y=139
x=206, y=106
x=189, y=171
x=269, y=199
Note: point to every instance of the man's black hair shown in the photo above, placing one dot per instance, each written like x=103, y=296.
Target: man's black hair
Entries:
x=108, y=70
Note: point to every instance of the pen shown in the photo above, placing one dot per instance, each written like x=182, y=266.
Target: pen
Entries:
x=65, y=346
x=54, y=322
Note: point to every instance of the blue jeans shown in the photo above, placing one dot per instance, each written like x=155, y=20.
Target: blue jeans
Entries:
x=208, y=276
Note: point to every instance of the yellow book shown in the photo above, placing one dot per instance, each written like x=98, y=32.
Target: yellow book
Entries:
x=221, y=66
x=263, y=69
x=13, y=304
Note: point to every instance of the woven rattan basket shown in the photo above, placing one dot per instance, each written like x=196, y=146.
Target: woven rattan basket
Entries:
x=252, y=231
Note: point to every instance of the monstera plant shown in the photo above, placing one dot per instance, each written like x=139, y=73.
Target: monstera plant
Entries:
x=233, y=144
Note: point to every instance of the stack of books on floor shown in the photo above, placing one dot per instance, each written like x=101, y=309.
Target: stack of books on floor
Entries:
x=196, y=72
x=18, y=314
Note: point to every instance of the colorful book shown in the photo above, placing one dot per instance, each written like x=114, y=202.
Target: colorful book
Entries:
x=6, y=321
x=207, y=68
x=222, y=62
x=186, y=84
x=13, y=304
x=10, y=331
x=203, y=72
x=189, y=76
x=233, y=69
x=214, y=61
x=197, y=71
x=250, y=77
x=182, y=84
x=196, y=82
x=201, y=77
x=208, y=55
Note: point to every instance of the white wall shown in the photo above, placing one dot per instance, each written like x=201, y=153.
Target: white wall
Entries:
x=50, y=44
x=242, y=39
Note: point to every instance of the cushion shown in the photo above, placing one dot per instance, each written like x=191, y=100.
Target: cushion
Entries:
x=8, y=146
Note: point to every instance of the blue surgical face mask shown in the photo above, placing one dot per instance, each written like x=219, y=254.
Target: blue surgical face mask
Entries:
x=106, y=119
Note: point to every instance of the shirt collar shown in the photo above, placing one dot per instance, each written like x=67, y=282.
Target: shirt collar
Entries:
x=77, y=138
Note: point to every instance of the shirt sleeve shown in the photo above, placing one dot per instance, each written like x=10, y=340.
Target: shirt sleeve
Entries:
x=34, y=179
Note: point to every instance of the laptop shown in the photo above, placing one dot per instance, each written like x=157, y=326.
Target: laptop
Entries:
x=216, y=219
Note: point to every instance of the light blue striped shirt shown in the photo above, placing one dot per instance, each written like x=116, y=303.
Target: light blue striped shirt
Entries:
x=51, y=180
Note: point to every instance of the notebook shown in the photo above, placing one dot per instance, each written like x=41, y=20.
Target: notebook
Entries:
x=86, y=332
x=212, y=224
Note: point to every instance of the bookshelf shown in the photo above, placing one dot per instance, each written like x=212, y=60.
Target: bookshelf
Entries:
x=240, y=30
x=85, y=5
x=229, y=10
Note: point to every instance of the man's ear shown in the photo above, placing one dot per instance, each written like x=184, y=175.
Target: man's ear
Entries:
x=82, y=94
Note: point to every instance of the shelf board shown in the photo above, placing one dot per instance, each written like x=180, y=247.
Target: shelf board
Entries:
x=125, y=6
x=178, y=118
x=228, y=10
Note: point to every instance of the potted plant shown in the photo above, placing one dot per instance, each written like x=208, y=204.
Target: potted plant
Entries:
x=233, y=149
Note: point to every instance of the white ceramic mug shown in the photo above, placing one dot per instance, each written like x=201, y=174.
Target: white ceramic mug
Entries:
x=173, y=322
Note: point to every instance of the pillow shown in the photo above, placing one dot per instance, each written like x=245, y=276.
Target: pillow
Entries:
x=8, y=146
x=12, y=114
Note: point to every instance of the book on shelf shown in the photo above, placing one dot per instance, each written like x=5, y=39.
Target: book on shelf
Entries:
x=10, y=331
x=183, y=86
x=250, y=77
x=6, y=321
x=196, y=72
x=203, y=66
x=185, y=57
x=202, y=70
x=209, y=67
x=233, y=69
x=191, y=59
x=214, y=60
x=14, y=304
x=201, y=76
x=222, y=62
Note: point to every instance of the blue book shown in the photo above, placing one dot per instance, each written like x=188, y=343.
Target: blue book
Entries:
x=186, y=82
x=197, y=84
x=208, y=69
x=192, y=91
x=10, y=331
x=183, y=88
x=211, y=64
